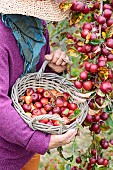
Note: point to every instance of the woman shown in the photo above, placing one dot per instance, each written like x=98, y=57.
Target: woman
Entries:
x=24, y=45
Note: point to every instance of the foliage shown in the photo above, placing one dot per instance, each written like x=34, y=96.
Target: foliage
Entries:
x=68, y=35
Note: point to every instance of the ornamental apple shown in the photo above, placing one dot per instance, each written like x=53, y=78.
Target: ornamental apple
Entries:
x=106, y=87
x=40, y=90
x=28, y=99
x=43, y=111
x=56, y=109
x=93, y=68
x=87, y=66
x=36, y=112
x=89, y=118
x=48, y=107
x=39, y=96
x=101, y=19
x=84, y=75
x=59, y=102
x=46, y=94
x=45, y=121
x=87, y=25
x=104, y=116
x=78, y=84
x=87, y=85
x=54, y=92
x=66, y=95
x=34, y=97
x=66, y=120
x=38, y=105
x=72, y=106
x=56, y=123
x=29, y=91
x=86, y=9
x=107, y=13
x=26, y=107
x=84, y=33
x=109, y=43
x=66, y=103
x=44, y=101
x=65, y=112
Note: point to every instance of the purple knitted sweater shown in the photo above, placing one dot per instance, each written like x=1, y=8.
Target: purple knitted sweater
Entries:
x=18, y=143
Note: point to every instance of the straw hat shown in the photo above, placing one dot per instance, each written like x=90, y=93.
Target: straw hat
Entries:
x=43, y=9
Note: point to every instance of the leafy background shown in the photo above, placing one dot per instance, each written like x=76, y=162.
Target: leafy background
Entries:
x=53, y=161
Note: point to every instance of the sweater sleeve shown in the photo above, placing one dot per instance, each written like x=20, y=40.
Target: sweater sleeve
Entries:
x=12, y=127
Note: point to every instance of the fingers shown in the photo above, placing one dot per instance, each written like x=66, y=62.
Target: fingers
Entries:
x=69, y=136
x=60, y=140
x=56, y=56
x=49, y=57
x=58, y=61
x=61, y=61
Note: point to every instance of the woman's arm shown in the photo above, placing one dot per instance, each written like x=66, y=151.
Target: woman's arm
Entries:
x=12, y=128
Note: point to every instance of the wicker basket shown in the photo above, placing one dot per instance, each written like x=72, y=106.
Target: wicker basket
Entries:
x=47, y=81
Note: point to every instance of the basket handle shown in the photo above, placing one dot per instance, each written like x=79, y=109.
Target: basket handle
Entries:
x=42, y=69
x=46, y=116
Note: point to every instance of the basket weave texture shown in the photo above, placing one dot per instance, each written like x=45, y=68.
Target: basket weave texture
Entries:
x=47, y=81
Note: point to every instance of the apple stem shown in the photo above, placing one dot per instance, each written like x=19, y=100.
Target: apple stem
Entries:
x=101, y=11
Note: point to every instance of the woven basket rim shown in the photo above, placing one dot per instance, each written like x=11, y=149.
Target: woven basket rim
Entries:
x=46, y=80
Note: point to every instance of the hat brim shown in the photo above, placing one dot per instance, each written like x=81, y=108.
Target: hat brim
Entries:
x=47, y=10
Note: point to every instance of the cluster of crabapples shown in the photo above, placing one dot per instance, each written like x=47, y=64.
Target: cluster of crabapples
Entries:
x=41, y=101
x=99, y=54
x=105, y=18
x=94, y=158
x=95, y=123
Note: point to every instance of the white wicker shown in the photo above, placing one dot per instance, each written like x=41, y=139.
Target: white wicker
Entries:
x=47, y=81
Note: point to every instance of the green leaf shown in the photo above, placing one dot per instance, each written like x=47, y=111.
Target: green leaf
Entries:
x=108, y=109
x=77, y=112
x=110, y=132
x=97, y=41
x=75, y=71
x=104, y=128
x=85, y=17
x=109, y=121
x=102, y=168
x=97, y=138
x=79, y=126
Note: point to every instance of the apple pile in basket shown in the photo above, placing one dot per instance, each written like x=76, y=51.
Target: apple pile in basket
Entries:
x=41, y=101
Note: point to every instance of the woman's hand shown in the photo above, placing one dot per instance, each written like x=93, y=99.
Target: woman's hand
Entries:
x=60, y=140
x=57, y=60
